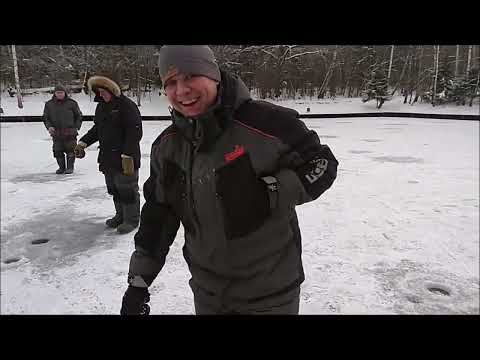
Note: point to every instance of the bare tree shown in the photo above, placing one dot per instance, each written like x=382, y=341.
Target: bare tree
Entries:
x=437, y=55
x=17, y=81
x=390, y=64
x=457, y=57
x=469, y=59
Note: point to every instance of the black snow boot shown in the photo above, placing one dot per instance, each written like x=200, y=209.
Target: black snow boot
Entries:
x=131, y=217
x=118, y=218
x=61, y=165
x=70, y=162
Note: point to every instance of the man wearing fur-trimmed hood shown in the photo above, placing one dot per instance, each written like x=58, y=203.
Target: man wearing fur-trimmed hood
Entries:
x=118, y=129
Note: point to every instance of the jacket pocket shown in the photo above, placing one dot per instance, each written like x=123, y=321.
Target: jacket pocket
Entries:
x=243, y=196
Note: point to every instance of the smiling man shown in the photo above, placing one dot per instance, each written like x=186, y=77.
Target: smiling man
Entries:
x=231, y=170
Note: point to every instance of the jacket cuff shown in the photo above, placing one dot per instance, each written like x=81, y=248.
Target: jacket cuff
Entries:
x=291, y=191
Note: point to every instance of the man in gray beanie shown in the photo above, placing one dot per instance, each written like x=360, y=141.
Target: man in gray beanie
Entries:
x=188, y=60
x=231, y=170
x=62, y=118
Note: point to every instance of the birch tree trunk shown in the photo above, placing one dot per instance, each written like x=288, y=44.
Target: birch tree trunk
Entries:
x=437, y=55
x=390, y=65
x=329, y=73
x=457, y=56
x=137, y=65
x=401, y=75
x=469, y=59
x=17, y=81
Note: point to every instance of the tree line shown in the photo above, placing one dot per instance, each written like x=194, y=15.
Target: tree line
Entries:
x=429, y=73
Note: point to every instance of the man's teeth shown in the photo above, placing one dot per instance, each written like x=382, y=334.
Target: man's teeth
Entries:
x=189, y=102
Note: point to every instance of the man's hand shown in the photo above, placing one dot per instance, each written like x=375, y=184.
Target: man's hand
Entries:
x=51, y=131
x=127, y=165
x=135, y=301
x=80, y=150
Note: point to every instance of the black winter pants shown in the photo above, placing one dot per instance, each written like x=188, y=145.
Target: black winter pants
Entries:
x=63, y=146
x=123, y=188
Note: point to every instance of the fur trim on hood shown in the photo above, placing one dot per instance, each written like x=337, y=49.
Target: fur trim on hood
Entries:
x=105, y=83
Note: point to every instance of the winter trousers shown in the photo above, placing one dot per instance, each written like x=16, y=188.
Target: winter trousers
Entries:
x=63, y=146
x=124, y=190
x=287, y=303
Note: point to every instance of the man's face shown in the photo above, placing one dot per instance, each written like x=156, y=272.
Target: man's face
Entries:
x=105, y=95
x=191, y=95
x=60, y=95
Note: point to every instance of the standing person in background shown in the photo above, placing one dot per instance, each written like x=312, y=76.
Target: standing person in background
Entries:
x=231, y=170
x=118, y=129
x=62, y=118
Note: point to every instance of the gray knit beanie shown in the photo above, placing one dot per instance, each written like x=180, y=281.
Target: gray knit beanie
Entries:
x=187, y=59
x=60, y=87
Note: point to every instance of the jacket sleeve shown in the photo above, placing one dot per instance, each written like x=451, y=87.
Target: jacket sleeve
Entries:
x=91, y=136
x=46, y=116
x=132, y=122
x=307, y=169
x=77, y=116
x=157, y=231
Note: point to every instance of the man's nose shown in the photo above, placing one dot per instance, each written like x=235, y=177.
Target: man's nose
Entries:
x=182, y=87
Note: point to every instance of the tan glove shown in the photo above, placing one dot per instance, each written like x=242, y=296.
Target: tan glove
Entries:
x=80, y=150
x=51, y=131
x=127, y=165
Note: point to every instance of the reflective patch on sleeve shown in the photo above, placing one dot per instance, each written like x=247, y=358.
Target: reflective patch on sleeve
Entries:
x=319, y=166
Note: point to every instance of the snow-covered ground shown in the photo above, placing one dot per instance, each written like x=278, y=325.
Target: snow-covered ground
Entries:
x=155, y=104
x=402, y=217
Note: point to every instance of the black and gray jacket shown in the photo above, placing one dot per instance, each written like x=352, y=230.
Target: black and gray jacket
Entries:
x=118, y=129
x=64, y=114
x=213, y=174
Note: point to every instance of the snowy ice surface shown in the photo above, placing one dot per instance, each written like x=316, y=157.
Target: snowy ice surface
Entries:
x=402, y=217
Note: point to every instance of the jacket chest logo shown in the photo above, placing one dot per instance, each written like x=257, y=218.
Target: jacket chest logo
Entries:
x=237, y=151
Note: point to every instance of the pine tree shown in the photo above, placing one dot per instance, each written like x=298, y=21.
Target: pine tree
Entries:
x=376, y=87
x=445, y=83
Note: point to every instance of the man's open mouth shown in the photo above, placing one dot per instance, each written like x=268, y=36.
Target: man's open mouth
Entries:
x=188, y=103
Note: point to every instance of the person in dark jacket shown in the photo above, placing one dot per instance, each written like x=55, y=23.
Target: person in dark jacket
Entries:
x=118, y=129
x=231, y=170
x=62, y=118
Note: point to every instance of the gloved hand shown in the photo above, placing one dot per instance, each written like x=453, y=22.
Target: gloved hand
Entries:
x=80, y=150
x=51, y=131
x=127, y=165
x=135, y=301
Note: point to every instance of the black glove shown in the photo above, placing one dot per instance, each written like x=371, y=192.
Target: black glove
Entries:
x=135, y=301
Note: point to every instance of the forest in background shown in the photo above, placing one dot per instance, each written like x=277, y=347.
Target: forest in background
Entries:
x=427, y=73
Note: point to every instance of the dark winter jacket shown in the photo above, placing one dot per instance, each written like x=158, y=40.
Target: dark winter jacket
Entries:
x=118, y=129
x=242, y=242
x=63, y=115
